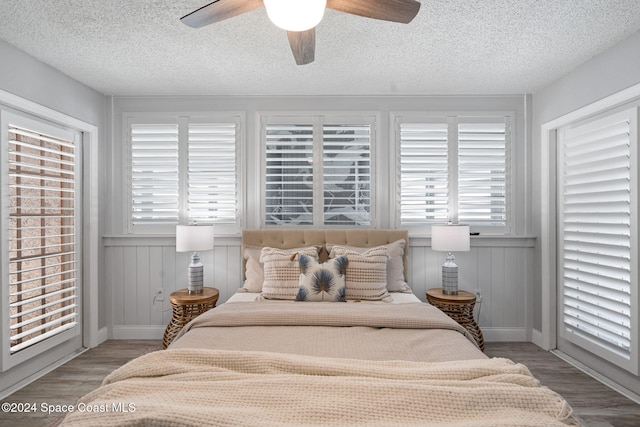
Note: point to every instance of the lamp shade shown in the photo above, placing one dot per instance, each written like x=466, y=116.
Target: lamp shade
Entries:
x=450, y=238
x=295, y=15
x=194, y=238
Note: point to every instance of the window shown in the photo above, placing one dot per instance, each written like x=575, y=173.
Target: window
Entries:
x=289, y=174
x=597, y=225
x=154, y=174
x=424, y=173
x=211, y=173
x=454, y=169
x=482, y=172
x=41, y=266
x=318, y=171
x=183, y=169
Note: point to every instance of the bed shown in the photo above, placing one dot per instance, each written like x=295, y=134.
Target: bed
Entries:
x=325, y=331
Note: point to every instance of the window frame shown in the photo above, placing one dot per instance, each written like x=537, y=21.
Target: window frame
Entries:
x=183, y=120
x=453, y=119
x=24, y=119
x=317, y=120
x=631, y=112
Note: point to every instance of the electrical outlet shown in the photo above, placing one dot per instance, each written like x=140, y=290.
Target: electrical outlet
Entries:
x=159, y=296
x=478, y=295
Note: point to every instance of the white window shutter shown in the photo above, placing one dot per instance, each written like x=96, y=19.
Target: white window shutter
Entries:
x=43, y=250
x=318, y=170
x=482, y=172
x=289, y=174
x=154, y=174
x=597, y=225
x=424, y=173
x=347, y=174
x=212, y=180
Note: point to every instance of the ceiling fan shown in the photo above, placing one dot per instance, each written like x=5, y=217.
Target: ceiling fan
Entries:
x=300, y=17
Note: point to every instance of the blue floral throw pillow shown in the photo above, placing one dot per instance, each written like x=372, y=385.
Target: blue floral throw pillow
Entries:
x=322, y=282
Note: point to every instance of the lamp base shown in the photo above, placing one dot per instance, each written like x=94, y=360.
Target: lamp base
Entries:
x=450, y=277
x=196, y=275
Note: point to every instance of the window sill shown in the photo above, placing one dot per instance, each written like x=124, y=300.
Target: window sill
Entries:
x=484, y=241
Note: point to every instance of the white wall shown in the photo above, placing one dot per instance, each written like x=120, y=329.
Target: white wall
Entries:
x=31, y=80
x=25, y=76
x=612, y=71
x=606, y=74
x=137, y=265
x=28, y=78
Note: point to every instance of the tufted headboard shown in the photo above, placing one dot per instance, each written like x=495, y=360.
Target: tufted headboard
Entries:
x=295, y=238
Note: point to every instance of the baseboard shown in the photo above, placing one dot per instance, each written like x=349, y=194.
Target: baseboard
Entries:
x=505, y=334
x=144, y=332
x=103, y=335
x=536, y=337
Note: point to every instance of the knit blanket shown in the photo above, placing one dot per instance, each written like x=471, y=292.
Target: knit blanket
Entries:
x=197, y=387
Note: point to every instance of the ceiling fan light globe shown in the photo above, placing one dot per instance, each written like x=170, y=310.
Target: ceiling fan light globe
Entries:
x=295, y=15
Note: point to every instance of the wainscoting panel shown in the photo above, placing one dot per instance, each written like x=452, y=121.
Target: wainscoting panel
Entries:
x=500, y=268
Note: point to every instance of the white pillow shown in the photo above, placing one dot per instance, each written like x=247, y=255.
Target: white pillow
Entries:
x=366, y=277
x=322, y=282
x=281, y=271
x=395, y=265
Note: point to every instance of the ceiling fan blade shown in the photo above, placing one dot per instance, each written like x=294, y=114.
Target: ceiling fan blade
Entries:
x=402, y=11
x=219, y=10
x=303, y=45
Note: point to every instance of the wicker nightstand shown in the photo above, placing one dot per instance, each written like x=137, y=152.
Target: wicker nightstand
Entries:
x=186, y=307
x=459, y=308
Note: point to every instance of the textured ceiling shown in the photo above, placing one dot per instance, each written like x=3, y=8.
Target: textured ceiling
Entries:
x=139, y=47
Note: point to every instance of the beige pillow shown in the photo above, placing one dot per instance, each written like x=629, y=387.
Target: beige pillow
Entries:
x=395, y=265
x=281, y=271
x=366, y=277
x=254, y=269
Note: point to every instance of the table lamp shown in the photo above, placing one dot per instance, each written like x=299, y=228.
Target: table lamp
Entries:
x=194, y=238
x=450, y=238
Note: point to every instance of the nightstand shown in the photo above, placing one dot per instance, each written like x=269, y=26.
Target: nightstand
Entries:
x=186, y=307
x=460, y=308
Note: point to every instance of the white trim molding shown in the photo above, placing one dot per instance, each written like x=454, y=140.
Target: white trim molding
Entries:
x=35, y=367
x=548, y=334
x=91, y=211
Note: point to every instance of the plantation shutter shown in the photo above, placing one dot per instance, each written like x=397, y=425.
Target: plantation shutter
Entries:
x=289, y=174
x=598, y=256
x=347, y=174
x=424, y=173
x=212, y=188
x=154, y=174
x=43, y=251
x=482, y=172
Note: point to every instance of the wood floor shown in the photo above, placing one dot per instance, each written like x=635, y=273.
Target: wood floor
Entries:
x=66, y=384
x=595, y=404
